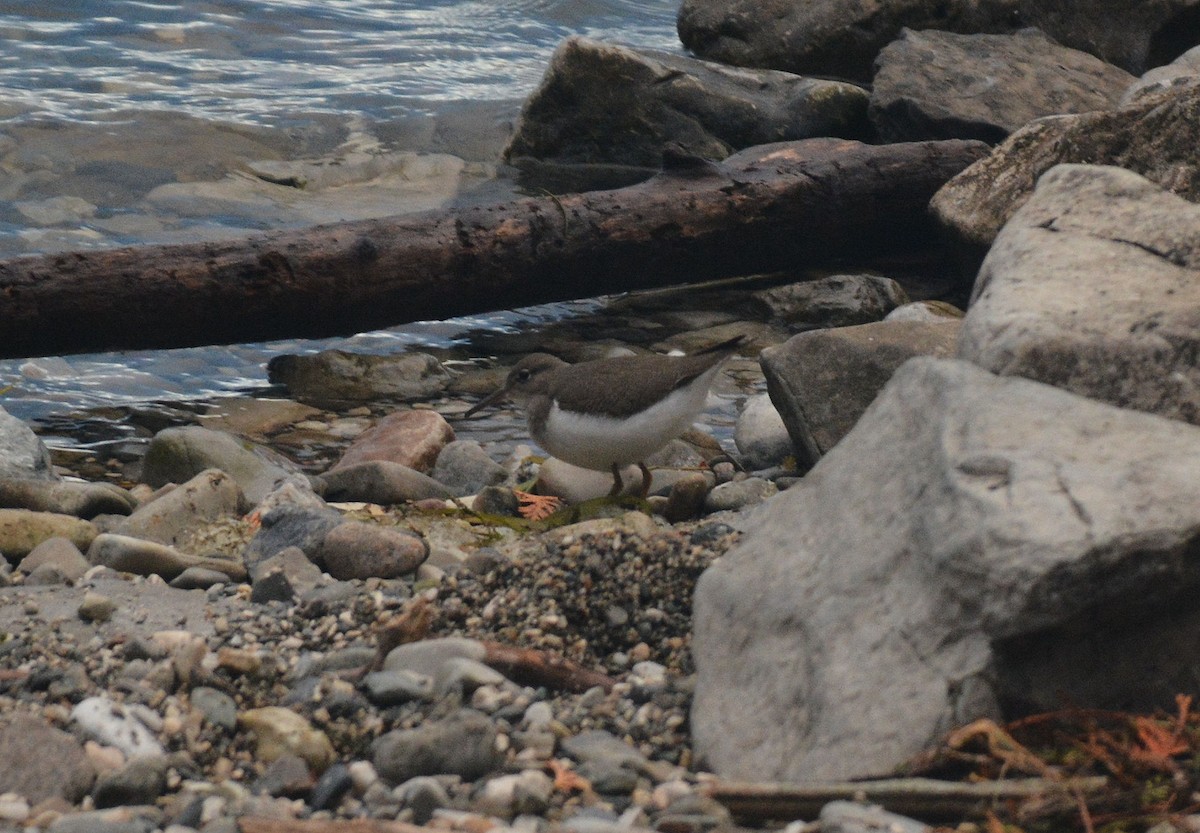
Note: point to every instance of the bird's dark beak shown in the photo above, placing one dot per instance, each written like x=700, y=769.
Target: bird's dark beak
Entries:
x=499, y=394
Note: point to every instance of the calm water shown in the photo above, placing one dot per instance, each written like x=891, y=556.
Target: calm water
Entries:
x=275, y=64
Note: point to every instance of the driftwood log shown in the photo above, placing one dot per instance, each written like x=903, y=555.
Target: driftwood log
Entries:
x=921, y=798
x=768, y=208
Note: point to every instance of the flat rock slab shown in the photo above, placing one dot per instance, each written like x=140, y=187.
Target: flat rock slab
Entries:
x=822, y=381
x=857, y=620
x=943, y=85
x=1094, y=286
x=1156, y=136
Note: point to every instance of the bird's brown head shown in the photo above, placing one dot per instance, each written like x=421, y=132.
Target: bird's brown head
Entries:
x=527, y=378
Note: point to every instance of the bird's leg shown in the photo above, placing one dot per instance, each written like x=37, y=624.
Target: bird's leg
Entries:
x=645, y=481
x=617, y=484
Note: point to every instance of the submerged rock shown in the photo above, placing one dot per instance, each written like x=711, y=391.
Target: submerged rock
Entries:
x=334, y=376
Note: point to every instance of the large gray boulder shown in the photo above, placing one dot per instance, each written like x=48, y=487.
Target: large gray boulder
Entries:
x=880, y=601
x=943, y=85
x=23, y=456
x=604, y=103
x=822, y=381
x=1094, y=286
x=1156, y=136
x=841, y=38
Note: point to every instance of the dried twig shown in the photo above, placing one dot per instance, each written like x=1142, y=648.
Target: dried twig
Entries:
x=528, y=666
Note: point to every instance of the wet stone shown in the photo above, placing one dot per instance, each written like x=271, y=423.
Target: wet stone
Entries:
x=357, y=550
x=141, y=781
x=83, y=500
x=391, y=688
x=497, y=500
x=198, y=578
x=287, y=527
x=380, y=481
x=738, y=494
x=57, y=557
x=96, y=607
x=411, y=438
x=465, y=468
x=287, y=776
x=462, y=744
x=38, y=762
x=422, y=795
x=333, y=784
x=218, y=708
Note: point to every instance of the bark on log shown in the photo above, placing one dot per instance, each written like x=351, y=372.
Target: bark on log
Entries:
x=767, y=208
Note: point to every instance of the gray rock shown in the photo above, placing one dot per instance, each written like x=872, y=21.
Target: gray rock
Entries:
x=686, y=498
x=218, y=708
x=198, y=578
x=382, y=482
x=924, y=311
x=103, y=821
x=465, y=468
x=391, y=688
x=114, y=724
x=1094, y=286
x=464, y=675
x=83, y=500
x=59, y=555
x=287, y=775
x=644, y=100
x=285, y=576
x=144, y=558
x=286, y=527
x=739, y=494
x=38, y=762
x=176, y=455
x=422, y=795
x=338, y=376
x=850, y=817
x=834, y=301
x=462, y=744
x=521, y=793
x=429, y=655
x=172, y=516
x=1184, y=71
x=22, y=530
x=832, y=37
x=760, y=435
x=574, y=484
x=497, y=500
x=141, y=781
x=821, y=382
x=968, y=520
x=593, y=745
x=609, y=777
x=943, y=85
x=1152, y=136
x=96, y=607
x=354, y=549
x=23, y=456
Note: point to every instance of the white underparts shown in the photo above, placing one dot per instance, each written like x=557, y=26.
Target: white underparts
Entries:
x=597, y=442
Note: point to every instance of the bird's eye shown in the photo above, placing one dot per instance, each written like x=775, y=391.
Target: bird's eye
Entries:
x=523, y=374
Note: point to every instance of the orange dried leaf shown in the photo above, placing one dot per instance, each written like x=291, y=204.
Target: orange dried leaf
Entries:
x=566, y=779
x=1157, y=742
x=537, y=507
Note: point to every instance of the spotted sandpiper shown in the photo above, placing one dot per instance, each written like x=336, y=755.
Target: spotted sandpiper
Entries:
x=606, y=413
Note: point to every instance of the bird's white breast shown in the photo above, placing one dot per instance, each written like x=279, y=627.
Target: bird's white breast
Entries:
x=597, y=442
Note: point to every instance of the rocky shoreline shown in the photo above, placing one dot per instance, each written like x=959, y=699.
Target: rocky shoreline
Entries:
x=329, y=611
